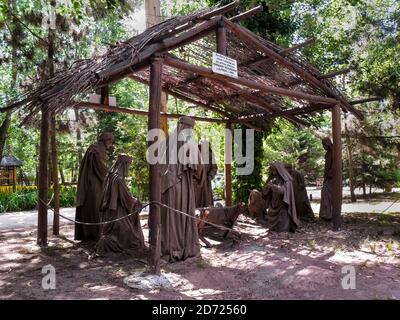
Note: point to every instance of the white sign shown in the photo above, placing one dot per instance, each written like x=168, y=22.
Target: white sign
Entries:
x=96, y=98
x=224, y=65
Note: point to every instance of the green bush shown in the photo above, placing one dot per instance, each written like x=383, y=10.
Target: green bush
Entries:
x=67, y=196
x=27, y=200
x=18, y=201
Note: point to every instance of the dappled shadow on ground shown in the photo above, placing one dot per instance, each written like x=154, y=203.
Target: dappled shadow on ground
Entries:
x=251, y=263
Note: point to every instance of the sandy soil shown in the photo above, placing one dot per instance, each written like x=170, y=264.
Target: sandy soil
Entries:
x=251, y=263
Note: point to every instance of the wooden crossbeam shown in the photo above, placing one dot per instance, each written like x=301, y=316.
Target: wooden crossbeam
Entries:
x=324, y=76
x=364, y=100
x=107, y=108
x=282, y=113
x=182, y=97
x=259, y=102
x=247, y=14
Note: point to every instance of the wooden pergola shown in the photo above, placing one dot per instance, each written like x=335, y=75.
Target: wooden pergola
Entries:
x=175, y=56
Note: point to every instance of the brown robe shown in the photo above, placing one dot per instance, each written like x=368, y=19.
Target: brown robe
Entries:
x=281, y=212
x=326, y=208
x=179, y=236
x=92, y=173
x=203, y=190
x=303, y=206
x=118, y=202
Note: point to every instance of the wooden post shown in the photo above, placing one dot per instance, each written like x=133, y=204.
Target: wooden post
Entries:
x=54, y=174
x=154, y=221
x=43, y=178
x=221, y=48
x=14, y=179
x=228, y=166
x=337, y=168
x=221, y=39
x=153, y=17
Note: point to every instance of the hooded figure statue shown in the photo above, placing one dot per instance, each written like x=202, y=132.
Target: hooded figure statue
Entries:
x=180, y=159
x=118, y=202
x=280, y=200
x=203, y=189
x=92, y=173
x=303, y=206
x=326, y=209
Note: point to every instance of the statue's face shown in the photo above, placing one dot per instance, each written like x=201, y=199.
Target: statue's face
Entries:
x=108, y=143
x=273, y=171
x=185, y=131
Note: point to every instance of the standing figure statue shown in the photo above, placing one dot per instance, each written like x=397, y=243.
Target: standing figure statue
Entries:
x=280, y=201
x=179, y=236
x=118, y=202
x=203, y=189
x=92, y=173
x=303, y=206
x=326, y=208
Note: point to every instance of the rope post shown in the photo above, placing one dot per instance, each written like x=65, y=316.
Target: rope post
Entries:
x=154, y=221
x=337, y=168
x=43, y=178
x=221, y=48
x=228, y=164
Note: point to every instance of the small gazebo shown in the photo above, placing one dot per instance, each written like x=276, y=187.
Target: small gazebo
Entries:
x=175, y=57
x=8, y=171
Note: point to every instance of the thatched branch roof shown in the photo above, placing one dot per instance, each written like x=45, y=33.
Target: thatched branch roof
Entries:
x=191, y=38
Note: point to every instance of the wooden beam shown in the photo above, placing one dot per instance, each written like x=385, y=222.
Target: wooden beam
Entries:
x=335, y=73
x=183, y=98
x=54, y=174
x=221, y=40
x=221, y=10
x=364, y=100
x=261, y=103
x=138, y=112
x=247, y=14
x=14, y=179
x=43, y=178
x=206, y=72
x=228, y=164
x=252, y=40
x=281, y=113
x=282, y=52
x=154, y=220
x=324, y=76
x=337, y=168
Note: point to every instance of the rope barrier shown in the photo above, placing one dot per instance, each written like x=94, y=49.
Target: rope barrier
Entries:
x=135, y=212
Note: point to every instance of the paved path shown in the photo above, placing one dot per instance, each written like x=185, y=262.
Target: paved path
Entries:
x=24, y=219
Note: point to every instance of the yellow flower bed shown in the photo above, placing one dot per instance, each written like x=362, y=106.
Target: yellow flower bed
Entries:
x=9, y=189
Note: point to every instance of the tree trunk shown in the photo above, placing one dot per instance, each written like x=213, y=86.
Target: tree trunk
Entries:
x=3, y=132
x=78, y=140
x=62, y=175
x=56, y=185
x=350, y=165
x=7, y=120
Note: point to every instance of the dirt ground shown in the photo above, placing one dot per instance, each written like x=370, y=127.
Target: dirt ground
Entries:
x=251, y=263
